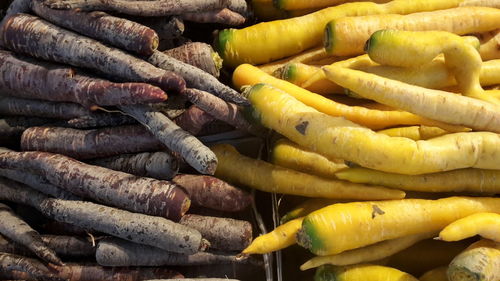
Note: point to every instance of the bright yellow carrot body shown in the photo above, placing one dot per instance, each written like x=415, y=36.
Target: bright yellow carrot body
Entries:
x=485, y=224
x=342, y=227
x=369, y=253
x=415, y=132
x=434, y=104
x=280, y=238
x=266, y=42
x=307, y=207
x=289, y=155
x=339, y=138
x=361, y=272
x=347, y=36
x=463, y=180
x=242, y=170
x=246, y=74
x=479, y=262
x=436, y=274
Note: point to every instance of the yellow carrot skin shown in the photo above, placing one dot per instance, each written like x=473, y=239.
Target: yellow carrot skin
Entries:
x=436, y=274
x=247, y=74
x=369, y=253
x=487, y=225
x=300, y=4
x=361, y=272
x=298, y=73
x=242, y=170
x=280, y=238
x=307, y=207
x=434, y=104
x=289, y=155
x=347, y=36
x=292, y=36
x=342, y=227
x=338, y=138
x=489, y=49
x=463, y=180
x=414, y=132
x=304, y=57
x=479, y=262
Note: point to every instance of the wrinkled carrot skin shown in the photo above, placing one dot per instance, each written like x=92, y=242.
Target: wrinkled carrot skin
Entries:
x=198, y=54
x=480, y=261
x=193, y=120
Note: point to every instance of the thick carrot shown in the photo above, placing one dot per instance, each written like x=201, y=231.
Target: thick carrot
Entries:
x=247, y=45
x=281, y=237
x=195, y=153
x=376, y=119
x=68, y=246
x=194, y=120
x=158, y=165
x=339, y=138
x=264, y=176
x=415, y=132
x=463, y=180
x=81, y=51
x=16, y=229
x=198, y=54
x=223, y=233
x=361, y=272
x=60, y=110
x=486, y=225
x=14, y=263
x=480, y=261
x=481, y=3
x=480, y=115
x=374, y=221
x=211, y=192
x=307, y=207
x=222, y=16
x=197, y=78
x=86, y=144
x=143, y=195
x=117, y=252
x=139, y=228
x=100, y=120
x=289, y=155
x=370, y=253
x=15, y=7
x=347, y=36
x=119, y=32
x=489, y=46
x=28, y=78
x=436, y=274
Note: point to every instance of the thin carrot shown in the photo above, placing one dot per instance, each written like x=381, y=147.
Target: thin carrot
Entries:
x=281, y=237
x=486, y=225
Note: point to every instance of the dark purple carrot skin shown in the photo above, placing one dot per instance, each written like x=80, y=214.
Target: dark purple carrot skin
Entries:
x=211, y=192
x=61, y=228
x=33, y=36
x=26, y=267
x=193, y=120
x=88, y=144
x=16, y=229
x=197, y=54
x=223, y=233
x=46, y=109
x=11, y=128
x=29, y=78
x=224, y=16
x=119, y=32
x=15, y=7
x=137, y=194
x=99, y=120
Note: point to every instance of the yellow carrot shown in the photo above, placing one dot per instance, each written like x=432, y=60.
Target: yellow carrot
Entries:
x=258, y=174
x=434, y=104
x=288, y=37
x=414, y=132
x=347, y=36
x=304, y=57
x=480, y=3
x=361, y=272
x=463, y=180
x=298, y=73
x=489, y=48
x=369, y=253
x=307, y=207
x=479, y=262
x=436, y=274
x=485, y=224
x=336, y=137
x=347, y=226
x=300, y=4
x=246, y=74
x=280, y=238
x=289, y=155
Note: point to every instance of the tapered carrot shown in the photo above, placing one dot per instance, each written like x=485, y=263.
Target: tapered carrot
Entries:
x=119, y=32
x=144, y=195
x=60, y=110
x=281, y=237
x=16, y=229
x=223, y=16
x=198, y=54
x=81, y=51
x=484, y=224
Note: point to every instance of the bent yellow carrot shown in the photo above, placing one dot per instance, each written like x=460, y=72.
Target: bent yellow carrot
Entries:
x=246, y=74
x=347, y=226
x=361, y=272
x=258, y=174
x=369, y=253
x=485, y=224
x=463, y=180
x=434, y=104
x=280, y=238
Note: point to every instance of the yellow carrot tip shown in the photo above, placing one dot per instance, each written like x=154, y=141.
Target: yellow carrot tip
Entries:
x=221, y=41
x=307, y=265
x=328, y=36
